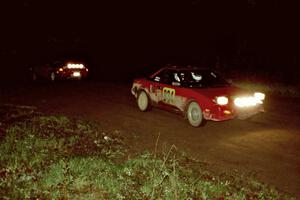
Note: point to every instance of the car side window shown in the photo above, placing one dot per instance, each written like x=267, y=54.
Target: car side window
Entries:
x=160, y=77
x=170, y=77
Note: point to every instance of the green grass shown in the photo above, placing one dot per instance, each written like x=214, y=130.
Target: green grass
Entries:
x=55, y=157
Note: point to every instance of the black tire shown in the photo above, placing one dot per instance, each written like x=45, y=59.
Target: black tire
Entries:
x=143, y=101
x=194, y=114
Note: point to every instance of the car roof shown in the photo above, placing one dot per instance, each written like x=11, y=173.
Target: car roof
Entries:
x=179, y=68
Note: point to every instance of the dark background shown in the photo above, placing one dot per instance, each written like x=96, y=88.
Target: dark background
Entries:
x=121, y=40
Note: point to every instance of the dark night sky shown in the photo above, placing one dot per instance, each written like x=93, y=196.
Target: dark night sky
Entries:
x=145, y=32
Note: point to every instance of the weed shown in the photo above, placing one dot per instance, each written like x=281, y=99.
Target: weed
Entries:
x=55, y=157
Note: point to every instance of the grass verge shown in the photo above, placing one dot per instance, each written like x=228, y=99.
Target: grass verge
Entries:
x=55, y=157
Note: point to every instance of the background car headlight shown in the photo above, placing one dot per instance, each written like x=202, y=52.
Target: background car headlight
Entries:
x=75, y=66
x=222, y=100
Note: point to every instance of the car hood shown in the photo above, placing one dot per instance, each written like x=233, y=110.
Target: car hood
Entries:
x=228, y=91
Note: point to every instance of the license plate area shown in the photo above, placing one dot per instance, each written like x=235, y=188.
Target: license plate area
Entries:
x=76, y=74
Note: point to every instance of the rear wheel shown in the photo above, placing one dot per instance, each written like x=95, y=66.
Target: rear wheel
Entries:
x=143, y=101
x=194, y=114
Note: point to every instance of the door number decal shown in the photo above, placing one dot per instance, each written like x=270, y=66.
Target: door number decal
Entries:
x=168, y=95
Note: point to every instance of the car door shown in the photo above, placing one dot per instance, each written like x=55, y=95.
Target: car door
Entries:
x=164, y=89
x=155, y=88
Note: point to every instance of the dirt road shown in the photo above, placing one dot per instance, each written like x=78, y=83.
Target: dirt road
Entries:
x=267, y=144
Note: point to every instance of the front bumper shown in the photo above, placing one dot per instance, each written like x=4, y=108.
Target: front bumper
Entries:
x=72, y=74
x=222, y=113
x=249, y=112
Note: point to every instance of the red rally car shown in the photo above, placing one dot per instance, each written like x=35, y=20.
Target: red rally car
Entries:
x=199, y=94
x=60, y=70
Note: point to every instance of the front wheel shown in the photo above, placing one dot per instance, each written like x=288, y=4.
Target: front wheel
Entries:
x=143, y=101
x=52, y=76
x=194, y=114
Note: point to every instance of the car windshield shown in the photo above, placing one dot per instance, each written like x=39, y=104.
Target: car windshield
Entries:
x=200, y=78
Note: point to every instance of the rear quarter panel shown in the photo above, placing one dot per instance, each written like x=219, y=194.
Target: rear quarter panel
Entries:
x=140, y=84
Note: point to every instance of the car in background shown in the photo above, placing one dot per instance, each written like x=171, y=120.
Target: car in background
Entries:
x=60, y=70
x=200, y=94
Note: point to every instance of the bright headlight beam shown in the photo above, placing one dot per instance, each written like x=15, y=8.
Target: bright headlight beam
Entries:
x=246, y=101
x=222, y=100
x=259, y=95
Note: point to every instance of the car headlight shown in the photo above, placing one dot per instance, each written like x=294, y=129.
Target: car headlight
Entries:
x=245, y=101
x=259, y=95
x=248, y=101
x=222, y=100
